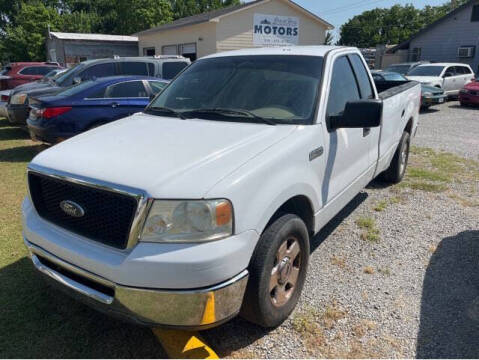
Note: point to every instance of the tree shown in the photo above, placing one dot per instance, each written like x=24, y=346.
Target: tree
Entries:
x=390, y=26
x=183, y=8
x=328, y=40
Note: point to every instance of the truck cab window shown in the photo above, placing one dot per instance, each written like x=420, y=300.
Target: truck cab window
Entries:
x=362, y=77
x=343, y=87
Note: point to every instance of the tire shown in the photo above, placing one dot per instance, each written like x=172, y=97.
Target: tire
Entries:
x=276, y=253
x=395, y=173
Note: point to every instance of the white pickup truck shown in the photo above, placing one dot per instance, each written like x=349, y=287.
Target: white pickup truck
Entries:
x=203, y=206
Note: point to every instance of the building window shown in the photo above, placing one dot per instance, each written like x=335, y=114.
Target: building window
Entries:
x=149, y=51
x=475, y=13
x=416, y=54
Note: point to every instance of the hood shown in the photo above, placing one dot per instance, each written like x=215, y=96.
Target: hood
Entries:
x=473, y=85
x=31, y=86
x=425, y=79
x=166, y=157
x=431, y=89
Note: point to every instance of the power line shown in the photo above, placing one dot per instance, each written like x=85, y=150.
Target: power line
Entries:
x=350, y=6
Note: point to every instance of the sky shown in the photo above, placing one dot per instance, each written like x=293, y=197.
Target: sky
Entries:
x=338, y=12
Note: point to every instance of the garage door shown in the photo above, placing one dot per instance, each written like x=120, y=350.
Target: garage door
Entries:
x=169, y=50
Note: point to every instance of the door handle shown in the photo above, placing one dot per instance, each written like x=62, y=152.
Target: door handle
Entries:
x=366, y=131
x=114, y=105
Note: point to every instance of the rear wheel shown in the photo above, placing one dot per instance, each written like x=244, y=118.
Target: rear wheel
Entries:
x=277, y=272
x=395, y=173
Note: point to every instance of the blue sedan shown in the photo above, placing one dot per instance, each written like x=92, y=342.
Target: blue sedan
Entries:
x=89, y=104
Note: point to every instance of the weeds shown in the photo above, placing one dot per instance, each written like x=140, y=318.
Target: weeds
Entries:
x=370, y=231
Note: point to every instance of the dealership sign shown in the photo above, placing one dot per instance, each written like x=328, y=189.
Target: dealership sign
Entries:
x=273, y=30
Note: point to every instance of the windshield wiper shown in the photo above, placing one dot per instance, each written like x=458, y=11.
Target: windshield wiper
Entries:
x=226, y=111
x=166, y=110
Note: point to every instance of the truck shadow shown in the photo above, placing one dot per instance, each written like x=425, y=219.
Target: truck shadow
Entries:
x=449, y=325
x=41, y=322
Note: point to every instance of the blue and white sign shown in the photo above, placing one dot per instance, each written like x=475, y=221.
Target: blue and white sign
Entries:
x=274, y=30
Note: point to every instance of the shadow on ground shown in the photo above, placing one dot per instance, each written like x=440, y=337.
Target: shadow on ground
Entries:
x=41, y=322
x=449, y=326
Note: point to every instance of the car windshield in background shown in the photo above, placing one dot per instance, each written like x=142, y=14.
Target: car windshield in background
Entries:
x=426, y=71
x=75, y=89
x=67, y=75
x=268, y=88
x=394, y=77
x=401, y=69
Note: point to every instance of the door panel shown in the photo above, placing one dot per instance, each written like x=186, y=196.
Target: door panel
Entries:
x=347, y=150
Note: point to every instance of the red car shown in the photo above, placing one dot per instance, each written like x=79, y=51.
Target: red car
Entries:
x=19, y=73
x=469, y=95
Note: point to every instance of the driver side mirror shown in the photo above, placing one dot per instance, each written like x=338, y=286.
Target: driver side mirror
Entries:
x=358, y=114
x=76, y=80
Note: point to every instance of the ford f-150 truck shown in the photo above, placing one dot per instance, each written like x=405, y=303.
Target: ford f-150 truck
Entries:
x=203, y=206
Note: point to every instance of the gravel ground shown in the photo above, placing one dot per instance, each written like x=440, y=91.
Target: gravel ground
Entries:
x=413, y=293
x=450, y=127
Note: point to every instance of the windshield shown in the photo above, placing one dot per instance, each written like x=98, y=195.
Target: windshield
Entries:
x=401, y=69
x=426, y=70
x=75, y=89
x=394, y=77
x=279, y=87
x=66, y=78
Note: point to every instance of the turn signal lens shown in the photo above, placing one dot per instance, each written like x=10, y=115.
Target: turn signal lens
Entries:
x=223, y=213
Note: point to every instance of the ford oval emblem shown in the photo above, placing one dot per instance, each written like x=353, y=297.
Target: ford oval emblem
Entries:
x=72, y=208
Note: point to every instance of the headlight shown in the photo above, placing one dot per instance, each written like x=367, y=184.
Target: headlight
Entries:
x=18, y=99
x=188, y=221
x=427, y=94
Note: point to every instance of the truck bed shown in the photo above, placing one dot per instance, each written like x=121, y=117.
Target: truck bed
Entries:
x=386, y=89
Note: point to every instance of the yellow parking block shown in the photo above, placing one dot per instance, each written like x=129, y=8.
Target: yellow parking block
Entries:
x=184, y=344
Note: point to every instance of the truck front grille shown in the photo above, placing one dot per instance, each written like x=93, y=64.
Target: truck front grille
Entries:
x=107, y=216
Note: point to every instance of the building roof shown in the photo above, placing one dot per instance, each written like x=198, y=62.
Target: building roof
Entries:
x=92, y=37
x=405, y=44
x=216, y=14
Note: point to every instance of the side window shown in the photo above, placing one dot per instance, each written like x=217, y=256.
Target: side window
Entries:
x=133, y=68
x=362, y=76
x=450, y=72
x=171, y=69
x=98, y=71
x=466, y=70
x=128, y=89
x=343, y=87
x=28, y=71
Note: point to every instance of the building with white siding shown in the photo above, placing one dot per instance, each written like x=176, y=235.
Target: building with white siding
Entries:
x=255, y=24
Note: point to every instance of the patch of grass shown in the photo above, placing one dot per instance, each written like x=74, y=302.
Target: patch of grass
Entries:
x=61, y=326
x=428, y=175
x=368, y=270
x=432, y=170
x=370, y=231
x=466, y=202
x=384, y=271
x=332, y=314
x=338, y=261
x=424, y=186
x=381, y=206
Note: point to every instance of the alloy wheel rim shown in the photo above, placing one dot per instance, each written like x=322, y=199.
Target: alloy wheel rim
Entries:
x=285, y=272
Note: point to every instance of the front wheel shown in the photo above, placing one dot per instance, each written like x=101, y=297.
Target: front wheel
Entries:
x=277, y=272
x=395, y=173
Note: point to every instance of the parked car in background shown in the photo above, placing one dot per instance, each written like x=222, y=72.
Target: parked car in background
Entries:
x=450, y=77
x=88, y=105
x=164, y=67
x=469, y=95
x=4, y=95
x=204, y=205
x=19, y=73
x=404, y=68
x=430, y=95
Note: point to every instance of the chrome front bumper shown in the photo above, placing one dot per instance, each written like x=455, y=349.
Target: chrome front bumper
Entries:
x=187, y=309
